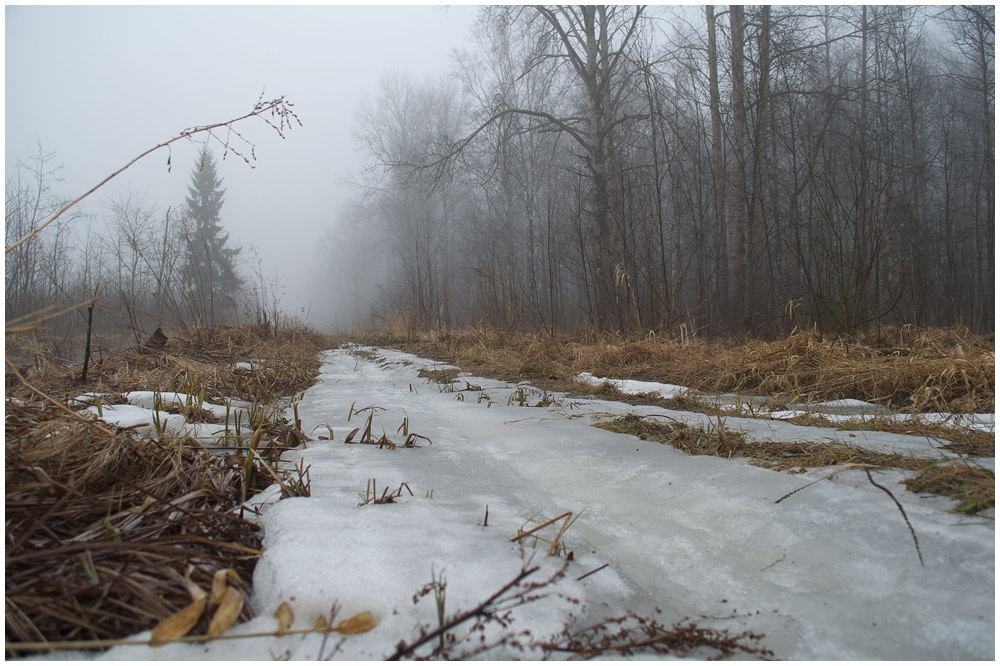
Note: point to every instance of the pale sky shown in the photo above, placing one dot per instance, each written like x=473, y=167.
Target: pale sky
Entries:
x=99, y=85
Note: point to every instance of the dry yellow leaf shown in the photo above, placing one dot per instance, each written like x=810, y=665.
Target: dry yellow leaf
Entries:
x=219, y=585
x=359, y=624
x=285, y=617
x=178, y=624
x=193, y=588
x=228, y=612
x=321, y=623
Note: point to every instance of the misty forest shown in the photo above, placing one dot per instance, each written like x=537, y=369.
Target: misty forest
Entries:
x=677, y=323
x=728, y=171
x=747, y=170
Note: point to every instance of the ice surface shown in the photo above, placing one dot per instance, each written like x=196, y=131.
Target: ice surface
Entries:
x=830, y=572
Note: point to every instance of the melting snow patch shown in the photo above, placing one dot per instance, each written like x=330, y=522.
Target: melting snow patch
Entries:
x=140, y=419
x=635, y=386
x=155, y=399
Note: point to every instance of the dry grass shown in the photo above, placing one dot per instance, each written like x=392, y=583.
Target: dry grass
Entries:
x=203, y=360
x=972, y=486
x=102, y=527
x=782, y=456
x=100, y=530
x=948, y=370
x=445, y=376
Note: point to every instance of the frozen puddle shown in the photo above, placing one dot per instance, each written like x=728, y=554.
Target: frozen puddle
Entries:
x=829, y=573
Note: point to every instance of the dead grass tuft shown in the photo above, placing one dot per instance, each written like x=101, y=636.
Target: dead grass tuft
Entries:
x=443, y=376
x=102, y=527
x=100, y=531
x=973, y=487
x=716, y=441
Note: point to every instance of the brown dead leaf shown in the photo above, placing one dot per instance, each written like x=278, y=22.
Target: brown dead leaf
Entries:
x=321, y=624
x=230, y=606
x=285, y=617
x=179, y=624
x=359, y=624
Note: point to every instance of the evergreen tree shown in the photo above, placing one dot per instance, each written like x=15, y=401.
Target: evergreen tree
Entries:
x=209, y=268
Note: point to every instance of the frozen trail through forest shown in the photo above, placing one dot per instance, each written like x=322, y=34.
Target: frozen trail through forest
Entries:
x=831, y=572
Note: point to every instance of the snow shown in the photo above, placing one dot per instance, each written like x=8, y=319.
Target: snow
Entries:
x=148, y=399
x=635, y=386
x=141, y=414
x=831, y=572
x=140, y=419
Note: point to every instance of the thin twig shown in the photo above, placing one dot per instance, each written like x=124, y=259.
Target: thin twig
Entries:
x=900, y=507
x=590, y=573
x=258, y=110
x=454, y=622
x=836, y=469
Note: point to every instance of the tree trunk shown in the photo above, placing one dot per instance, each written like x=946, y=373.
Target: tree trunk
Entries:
x=718, y=168
x=738, y=203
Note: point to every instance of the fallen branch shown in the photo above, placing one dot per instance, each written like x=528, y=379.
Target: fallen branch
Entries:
x=867, y=468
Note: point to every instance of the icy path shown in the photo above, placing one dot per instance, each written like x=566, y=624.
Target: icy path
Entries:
x=830, y=573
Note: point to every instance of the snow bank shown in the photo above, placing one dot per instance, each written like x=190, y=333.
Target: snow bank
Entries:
x=635, y=386
x=141, y=415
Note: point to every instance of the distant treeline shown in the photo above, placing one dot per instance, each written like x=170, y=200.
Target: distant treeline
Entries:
x=728, y=170
x=141, y=267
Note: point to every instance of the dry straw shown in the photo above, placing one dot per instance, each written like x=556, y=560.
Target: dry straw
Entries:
x=102, y=526
x=949, y=370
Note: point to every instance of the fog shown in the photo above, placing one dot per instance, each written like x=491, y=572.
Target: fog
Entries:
x=99, y=85
x=733, y=170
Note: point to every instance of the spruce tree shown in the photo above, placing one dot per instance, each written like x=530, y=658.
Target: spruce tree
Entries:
x=209, y=269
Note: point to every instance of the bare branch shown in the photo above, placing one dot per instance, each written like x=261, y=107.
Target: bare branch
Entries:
x=280, y=113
